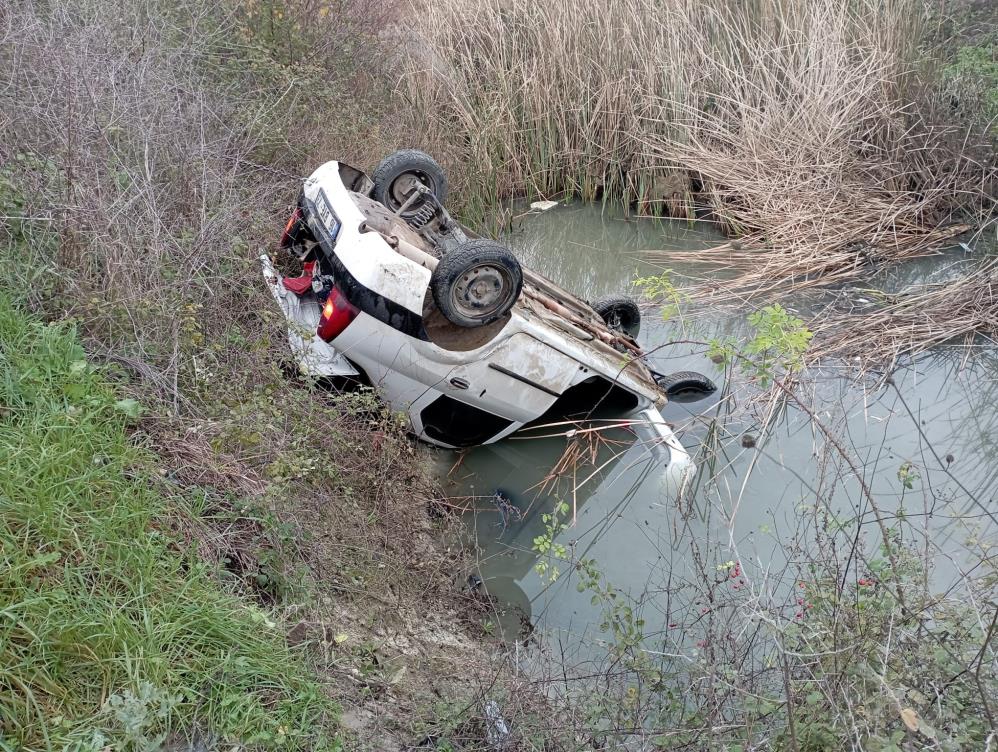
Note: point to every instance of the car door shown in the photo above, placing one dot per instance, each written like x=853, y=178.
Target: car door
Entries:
x=519, y=380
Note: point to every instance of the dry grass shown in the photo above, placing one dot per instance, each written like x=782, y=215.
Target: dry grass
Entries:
x=142, y=168
x=912, y=322
x=162, y=142
x=542, y=97
x=148, y=153
x=768, y=274
x=824, y=150
x=817, y=131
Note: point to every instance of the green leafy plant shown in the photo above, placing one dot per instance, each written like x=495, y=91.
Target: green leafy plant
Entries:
x=721, y=352
x=619, y=616
x=914, y=677
x=908, y=474
x=779, y=342
x=973, y=73
x=140, y=711
x=546, y=546
x=662, y=289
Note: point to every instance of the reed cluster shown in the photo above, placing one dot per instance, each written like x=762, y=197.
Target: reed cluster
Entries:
x=810, y=129
x=896, y=327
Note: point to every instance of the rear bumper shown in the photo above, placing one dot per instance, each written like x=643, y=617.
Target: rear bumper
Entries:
x=312, y=355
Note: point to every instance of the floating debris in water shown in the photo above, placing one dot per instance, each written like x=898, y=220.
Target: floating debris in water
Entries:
x=543, y=205
x=508, y=511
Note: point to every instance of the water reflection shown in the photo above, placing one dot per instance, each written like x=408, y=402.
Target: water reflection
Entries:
x=593, y=250
x=520, y=471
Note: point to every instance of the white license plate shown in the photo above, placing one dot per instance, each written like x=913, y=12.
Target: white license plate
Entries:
x=326, y=215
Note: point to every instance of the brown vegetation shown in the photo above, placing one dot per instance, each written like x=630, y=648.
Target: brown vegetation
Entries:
x=911, y=322
x=820, y=133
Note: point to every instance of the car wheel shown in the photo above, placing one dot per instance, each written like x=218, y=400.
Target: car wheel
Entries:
x=620, y=313
x=476, y=283
x=399, y=173
x=685, y=386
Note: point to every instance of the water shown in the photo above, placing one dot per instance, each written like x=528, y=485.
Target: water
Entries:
x=755, y=505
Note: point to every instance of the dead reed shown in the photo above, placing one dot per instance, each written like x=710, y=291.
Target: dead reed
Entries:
x=825, y=151
x=816, y=131
x=543, y=97
x=768, y=273
x=912, y=322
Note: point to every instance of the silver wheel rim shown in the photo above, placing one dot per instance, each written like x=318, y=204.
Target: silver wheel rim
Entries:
x=481, y=291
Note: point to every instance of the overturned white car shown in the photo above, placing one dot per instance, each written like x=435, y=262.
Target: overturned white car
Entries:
x=446, y=325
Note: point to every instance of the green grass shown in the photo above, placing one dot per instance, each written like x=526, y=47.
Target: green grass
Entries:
x=113, y=633
x=974, y=73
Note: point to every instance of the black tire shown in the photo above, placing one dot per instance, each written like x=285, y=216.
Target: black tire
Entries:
x=476, y=283
x=620, y=313
x=685, y=386
x=394, y=177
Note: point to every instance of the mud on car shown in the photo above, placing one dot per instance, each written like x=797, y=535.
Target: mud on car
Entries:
x=447, y=326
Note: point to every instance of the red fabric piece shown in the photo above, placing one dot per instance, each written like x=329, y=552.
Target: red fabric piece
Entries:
x=302, y=284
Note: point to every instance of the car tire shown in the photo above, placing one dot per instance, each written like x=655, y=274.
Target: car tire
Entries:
x=476, y=283
x=395, y=175
x=620, y=314
x=685, y=386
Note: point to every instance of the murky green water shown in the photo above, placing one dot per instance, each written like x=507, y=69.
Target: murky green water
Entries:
x=753, y=505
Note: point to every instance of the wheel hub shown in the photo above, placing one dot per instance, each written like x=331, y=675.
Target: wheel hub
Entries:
x=405, y=184
x=480, y=290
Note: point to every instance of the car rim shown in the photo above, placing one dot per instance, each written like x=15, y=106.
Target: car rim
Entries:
x=405, y=184
x=481, y=291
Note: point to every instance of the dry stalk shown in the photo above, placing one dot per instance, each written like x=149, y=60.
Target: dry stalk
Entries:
x=814, y=130
x=911, y=322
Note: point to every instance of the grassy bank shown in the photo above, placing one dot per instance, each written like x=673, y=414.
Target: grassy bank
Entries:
x=114, y=633
x=823, y=134
x=197, y=542
x=150, y=151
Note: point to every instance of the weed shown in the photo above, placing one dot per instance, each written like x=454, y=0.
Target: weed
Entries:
x=149, y=150
x=847, y=662
x=909, y=674
x=778, y=344
x=663, y=290
x=908, y=475
x=547, y=547
x=973, y=73
x=781, y=339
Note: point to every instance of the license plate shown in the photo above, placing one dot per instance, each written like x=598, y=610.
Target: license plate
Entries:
x=328, y=218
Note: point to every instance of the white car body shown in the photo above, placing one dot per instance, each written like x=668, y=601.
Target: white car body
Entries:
x=452, y=397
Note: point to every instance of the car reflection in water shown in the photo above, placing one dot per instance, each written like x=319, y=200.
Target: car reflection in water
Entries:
x=514, y=483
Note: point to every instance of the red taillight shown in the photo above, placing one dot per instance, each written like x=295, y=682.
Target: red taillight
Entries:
x=336, y=316
x=290, y=227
